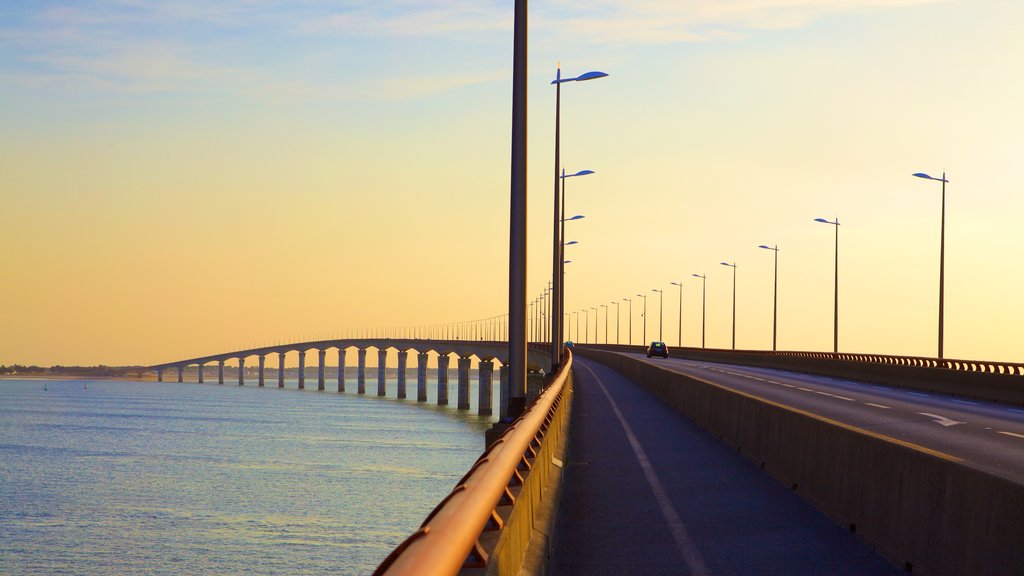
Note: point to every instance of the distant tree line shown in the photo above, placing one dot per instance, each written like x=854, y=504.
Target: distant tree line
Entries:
x=97, y=371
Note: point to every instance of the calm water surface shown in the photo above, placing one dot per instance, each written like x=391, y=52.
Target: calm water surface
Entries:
x=145, y=478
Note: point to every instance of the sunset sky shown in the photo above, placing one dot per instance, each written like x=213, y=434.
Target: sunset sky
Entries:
x=181, y=178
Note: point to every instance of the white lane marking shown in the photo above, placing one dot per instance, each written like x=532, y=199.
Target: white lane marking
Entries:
x=679, y=532
x=918, y=394
x=966, y=402
x=804, y=389
x=877, y=406
x=843, y=398
x=788, y=385
x=947, y=422
x=882, y=387
x=1012, y=434
x=774, y=382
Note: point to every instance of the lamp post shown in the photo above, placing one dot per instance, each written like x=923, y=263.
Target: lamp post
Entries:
x=644, y=296
x=942, y=252
x=775, y=296
x=559, y=298
x=586, y=325
x=617, y=331
x=630, y=339
x=559, y=207
x=703, y=304
x=661, y=311
x=733, y=266
x=679, y=343
x=835, y=307
x=594, y=308
x=605, y=306
x=577, y=315
x=517, y=217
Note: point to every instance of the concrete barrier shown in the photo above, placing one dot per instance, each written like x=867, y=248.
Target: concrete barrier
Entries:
x=925, y=511
x=1003, y=387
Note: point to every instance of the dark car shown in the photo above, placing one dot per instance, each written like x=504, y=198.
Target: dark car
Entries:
x=657, y=349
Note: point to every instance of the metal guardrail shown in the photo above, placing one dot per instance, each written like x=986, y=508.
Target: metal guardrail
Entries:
x=449, y=539
x=917, y=361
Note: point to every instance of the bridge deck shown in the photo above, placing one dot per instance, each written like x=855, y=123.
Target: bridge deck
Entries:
x=648, y=492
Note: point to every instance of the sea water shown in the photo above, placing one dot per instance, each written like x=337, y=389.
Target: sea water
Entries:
x=114, y=477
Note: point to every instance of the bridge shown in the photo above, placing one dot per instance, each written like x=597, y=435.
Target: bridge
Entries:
x=439, y=352
x=910, y=464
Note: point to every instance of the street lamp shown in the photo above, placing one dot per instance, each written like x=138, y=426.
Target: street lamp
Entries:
x=617, y=331
x=594, y=308
x=630, y=339
x=560, y=298
x=586, y=325
x=680, y=342
x=661, y=311
x=644, y=296
x=835, y=308
x=775, y=297
x=703, y=304
x=559, y=212
x=733, y=266
x=942, y=252
x=605, y=306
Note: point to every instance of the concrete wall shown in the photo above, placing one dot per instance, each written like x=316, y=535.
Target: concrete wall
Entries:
x=922, y=511
x=1006, y=388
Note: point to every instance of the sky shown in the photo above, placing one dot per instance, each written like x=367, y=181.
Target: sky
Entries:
x=183, y=178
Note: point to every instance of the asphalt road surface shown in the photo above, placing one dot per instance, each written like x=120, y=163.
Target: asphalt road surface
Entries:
x=983, y=435
x=649, y=492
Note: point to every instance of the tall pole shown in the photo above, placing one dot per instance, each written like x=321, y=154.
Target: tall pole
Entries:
x=942, y=262
x=630, y=339
x=594, y=308
x=561, y=258
x=733, y=266
x=661, y=312
x=644, y=296
x=605, y=306
x=835, y=305
x=586, y=325
x=556, y=248
x=517, y=216
x=679, y=341
x=703, y=305
x=617, y=331
x=775, y=297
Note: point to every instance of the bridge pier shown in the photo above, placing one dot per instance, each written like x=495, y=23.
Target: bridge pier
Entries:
x=341, y=369
x=220, y=371
x=302, y=369
x=159, y=375
x=442, y=380
x=421, y=377
x=382, y=365
x=181, y=372
x=280, y=369
x=463, y=389
x=486, y=370
x=200, y=370
x=241, y=371
x=320, y=371
x=403, y=359
x=503, y=391
x=361, y=376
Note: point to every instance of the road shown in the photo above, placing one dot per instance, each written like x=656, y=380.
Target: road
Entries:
x=984, y=435
x=648, y=492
